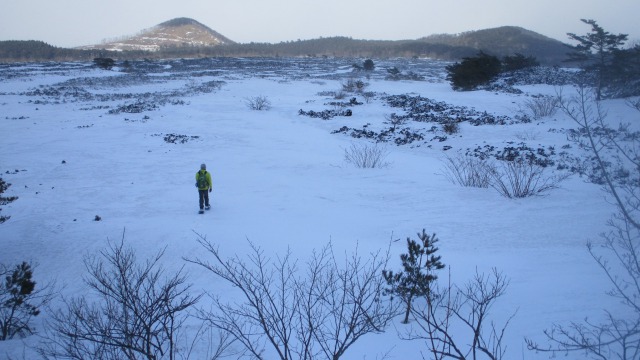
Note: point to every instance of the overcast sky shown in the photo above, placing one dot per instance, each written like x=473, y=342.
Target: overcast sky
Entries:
x=69, y=23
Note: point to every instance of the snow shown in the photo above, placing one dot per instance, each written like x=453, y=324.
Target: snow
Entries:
x=280, y=180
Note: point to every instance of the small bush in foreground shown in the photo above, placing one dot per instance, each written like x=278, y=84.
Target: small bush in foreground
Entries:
x=419, y=266
x=444, y=310
x=136, y=311
x=366, y=156
x=315, y=311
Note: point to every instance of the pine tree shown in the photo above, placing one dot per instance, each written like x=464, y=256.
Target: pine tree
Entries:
x=15, y=307
x=5, y=200
x=473, y=71
x=419, y=266
x=595, y=51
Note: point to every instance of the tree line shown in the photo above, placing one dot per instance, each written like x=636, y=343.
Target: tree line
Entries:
x=322, y=47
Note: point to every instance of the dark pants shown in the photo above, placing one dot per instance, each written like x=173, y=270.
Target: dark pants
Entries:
x=204, y=198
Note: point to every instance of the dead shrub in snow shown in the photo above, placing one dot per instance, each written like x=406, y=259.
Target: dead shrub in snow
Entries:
x=450, y=308
x=517, y=178
x=366, y=156
x=315, y=313
x=258, y=103
x=451, y=126
x=135, y=311
x=521, y=178
x=543, y=106
x=468, y=171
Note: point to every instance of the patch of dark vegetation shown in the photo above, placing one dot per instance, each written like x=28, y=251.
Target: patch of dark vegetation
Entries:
x=96, y=107
x=134, y=108
x=177, y=139
x=395, y=74
x=343, y=104
x=81, y=89
x=325, y=114
x=539, y=75
x=540, y=156
x=397, y=136
x=423, y=109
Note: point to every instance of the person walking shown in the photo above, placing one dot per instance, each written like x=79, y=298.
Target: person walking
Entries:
x=205, y=186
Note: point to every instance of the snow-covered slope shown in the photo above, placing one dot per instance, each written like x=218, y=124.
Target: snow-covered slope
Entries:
x=280, y=180
x=173, y=33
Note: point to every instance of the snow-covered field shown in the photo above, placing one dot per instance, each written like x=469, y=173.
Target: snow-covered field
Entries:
x=281, y=181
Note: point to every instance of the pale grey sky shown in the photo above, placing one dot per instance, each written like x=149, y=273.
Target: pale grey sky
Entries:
x=69, y=23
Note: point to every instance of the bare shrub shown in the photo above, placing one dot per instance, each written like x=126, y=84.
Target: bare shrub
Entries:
x=468, y=171
x=521, y=178
x=529, y=135
x=451, y=126
x=517, y=178
x=463, y=308
x=542, y=106
x=366, y=156
x=368, y=96
x=339, y=95
x=395, y=120
x=318, y=313
x=138, y=312
x=258, y=103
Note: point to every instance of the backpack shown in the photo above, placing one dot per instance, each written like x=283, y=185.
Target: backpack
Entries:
x=202, y=180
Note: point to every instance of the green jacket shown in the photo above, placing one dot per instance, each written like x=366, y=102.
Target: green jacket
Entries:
x=208, y=176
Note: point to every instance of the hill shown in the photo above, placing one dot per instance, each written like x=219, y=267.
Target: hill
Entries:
x=179, y=32
x=187, y=38
x=505, y=40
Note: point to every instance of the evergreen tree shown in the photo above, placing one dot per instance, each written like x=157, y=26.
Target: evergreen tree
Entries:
x=419, y=266
x=368, y=65
x=595, y=51
x=15, y=308
x=473, y=71
x=104, y=63
x=623, y=76
x=5, y=200
x=518, y=61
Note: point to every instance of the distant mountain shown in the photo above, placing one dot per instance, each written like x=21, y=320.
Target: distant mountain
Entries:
x=187, y=38
x=505, y=40
x=179, y=32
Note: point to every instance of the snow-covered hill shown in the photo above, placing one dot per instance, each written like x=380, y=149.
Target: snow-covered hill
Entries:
x=179, y=32
x=79, y=143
